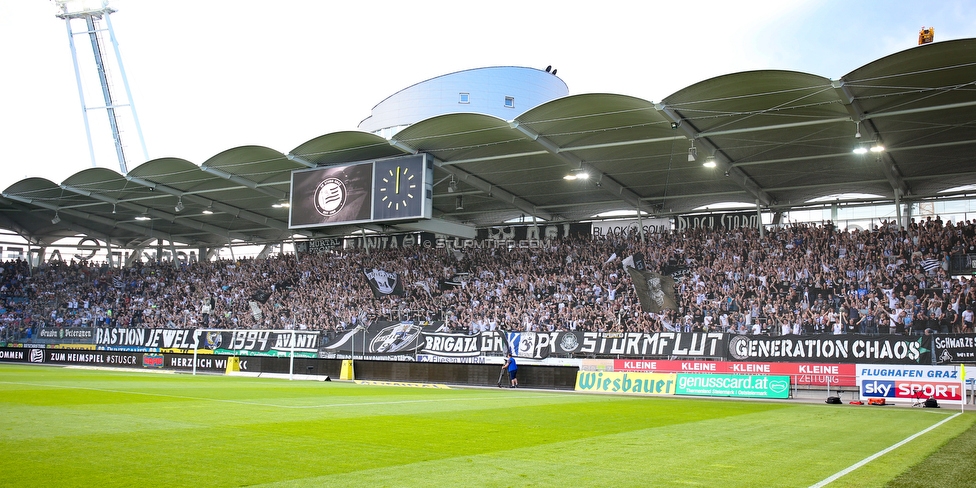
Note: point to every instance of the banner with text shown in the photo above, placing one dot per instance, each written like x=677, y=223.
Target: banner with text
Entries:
x=630, y=228
x=640, y=383
x=955, y=348
x=910, y=383
x=826, y=348
x=724, y=385
x=813, y=374
x=237, y=342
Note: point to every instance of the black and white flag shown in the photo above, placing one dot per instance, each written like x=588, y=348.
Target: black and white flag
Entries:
x=655, y=291
x=383, y=283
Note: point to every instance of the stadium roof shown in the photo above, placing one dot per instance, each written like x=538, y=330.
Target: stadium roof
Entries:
x=779, y=139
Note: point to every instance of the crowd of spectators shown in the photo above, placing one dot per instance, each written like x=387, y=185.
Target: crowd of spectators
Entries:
x=795, y=279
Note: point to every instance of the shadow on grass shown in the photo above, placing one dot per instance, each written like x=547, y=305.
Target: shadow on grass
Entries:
x=951, y=465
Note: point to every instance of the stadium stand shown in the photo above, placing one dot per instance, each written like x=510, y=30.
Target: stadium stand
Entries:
x=797, y=279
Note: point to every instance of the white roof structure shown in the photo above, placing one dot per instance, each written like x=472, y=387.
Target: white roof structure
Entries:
x=778, y=138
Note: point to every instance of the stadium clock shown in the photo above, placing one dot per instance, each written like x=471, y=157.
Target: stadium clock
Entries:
x=398, y=188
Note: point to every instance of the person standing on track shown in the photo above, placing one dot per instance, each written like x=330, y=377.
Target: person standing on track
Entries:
x=512, y=370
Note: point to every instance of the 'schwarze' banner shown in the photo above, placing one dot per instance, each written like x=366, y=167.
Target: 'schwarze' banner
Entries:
x=955, y=348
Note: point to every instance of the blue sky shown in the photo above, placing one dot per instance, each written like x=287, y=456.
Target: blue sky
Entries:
x=207, y=76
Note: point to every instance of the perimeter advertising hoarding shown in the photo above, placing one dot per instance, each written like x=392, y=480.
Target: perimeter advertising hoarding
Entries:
x=14, y=355
x=641, y=383
x=813, y=374
x=898, y=383
x=118, y=359
x=726, y=385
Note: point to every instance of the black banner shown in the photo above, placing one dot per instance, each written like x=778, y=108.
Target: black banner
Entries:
x=383, y=283
x=736, y=220
x=392, y=241
x=65, y=335
x=234, y=342
x=517, y=236
x=955, y=348
x=317, y=246
x=875, y=349
x=380, y=339
x=463, y=345
x=93, y=358
x=145, y=338
x=16, y=355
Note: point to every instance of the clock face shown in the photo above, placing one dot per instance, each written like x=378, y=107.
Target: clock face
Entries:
x=398, y=189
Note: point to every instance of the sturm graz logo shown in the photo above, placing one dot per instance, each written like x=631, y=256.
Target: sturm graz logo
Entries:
x=330, y=196
x=739, y=347
x=569, y=343
x=213, y=340
x=396, y=338
x=36, y=356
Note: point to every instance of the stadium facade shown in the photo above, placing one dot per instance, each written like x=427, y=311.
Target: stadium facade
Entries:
x=500, y=91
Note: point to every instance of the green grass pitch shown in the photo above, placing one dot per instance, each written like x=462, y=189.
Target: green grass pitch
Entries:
x=76, y=427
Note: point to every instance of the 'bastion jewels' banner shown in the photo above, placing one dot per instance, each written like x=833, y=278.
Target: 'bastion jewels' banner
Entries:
x=726, y=385
x=889, y=349
x=641, y=383
x=910, y=383
x=237, y=342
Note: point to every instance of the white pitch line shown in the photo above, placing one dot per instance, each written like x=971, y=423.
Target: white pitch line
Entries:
x=878, y=454
x=259, y=404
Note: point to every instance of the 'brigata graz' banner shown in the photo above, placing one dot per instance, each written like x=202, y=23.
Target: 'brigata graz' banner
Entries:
x=884, y=349
x=541, y=345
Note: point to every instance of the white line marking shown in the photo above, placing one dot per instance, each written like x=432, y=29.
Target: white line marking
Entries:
x=878, y=454
x=259, y=404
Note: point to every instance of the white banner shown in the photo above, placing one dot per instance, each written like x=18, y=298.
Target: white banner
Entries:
x=610, y=228
x=899, y=383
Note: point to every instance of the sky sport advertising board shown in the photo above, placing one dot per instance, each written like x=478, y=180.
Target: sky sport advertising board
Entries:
x=733, y=385
x=910, y=383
